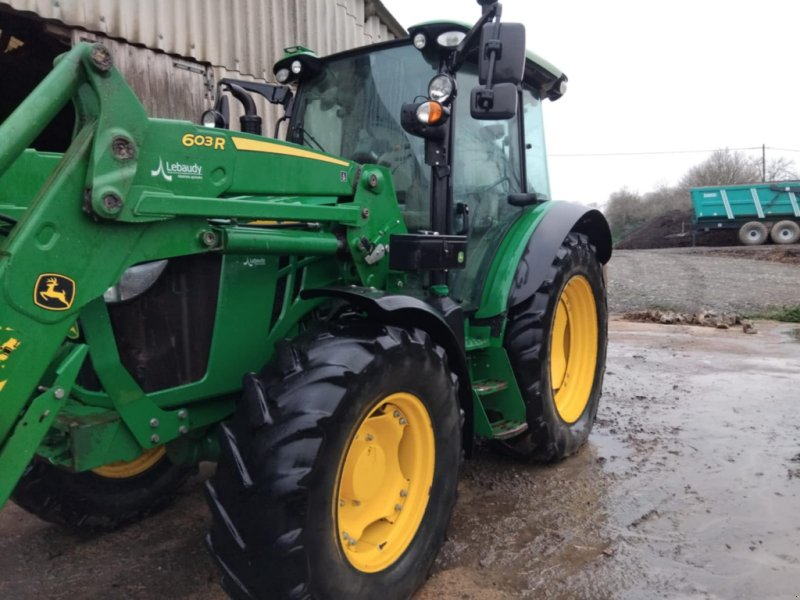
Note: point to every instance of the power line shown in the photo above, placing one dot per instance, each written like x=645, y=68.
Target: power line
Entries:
x=657, y=152
x=782, y=149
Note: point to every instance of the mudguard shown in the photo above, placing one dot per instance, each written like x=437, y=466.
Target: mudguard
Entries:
x=561, y=219
x=404, y=311
x=527, y=250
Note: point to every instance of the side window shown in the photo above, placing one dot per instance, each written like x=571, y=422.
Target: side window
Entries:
x=486, y=161
x=487, y=167
x=535, y=151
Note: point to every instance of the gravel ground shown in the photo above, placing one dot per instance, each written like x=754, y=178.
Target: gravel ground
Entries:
x=691, y=279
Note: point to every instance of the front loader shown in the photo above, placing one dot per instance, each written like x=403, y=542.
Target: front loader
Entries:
x=335, y=318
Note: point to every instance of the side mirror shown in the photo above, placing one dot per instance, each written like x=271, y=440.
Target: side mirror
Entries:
x=498, y=102
x=501, y=67
x=504, y=45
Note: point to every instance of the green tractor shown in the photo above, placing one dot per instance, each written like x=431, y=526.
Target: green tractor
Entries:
x=335, y=319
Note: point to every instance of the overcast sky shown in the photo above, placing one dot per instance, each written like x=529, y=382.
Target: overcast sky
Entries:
x=673, y=75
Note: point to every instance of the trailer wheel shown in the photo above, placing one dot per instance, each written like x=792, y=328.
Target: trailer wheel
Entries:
x=338, y=472
x=103, y=499
x=785, y=232
x=556, y=342
x=753, y=233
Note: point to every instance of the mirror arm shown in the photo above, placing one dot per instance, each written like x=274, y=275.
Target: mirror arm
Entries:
x=490, y=11
x=274, y=94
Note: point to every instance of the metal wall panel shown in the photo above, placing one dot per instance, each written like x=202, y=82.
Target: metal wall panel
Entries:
x=243, y=36
x=167, y=86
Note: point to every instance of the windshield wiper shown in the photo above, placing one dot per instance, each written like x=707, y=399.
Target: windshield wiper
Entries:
x=306, y=134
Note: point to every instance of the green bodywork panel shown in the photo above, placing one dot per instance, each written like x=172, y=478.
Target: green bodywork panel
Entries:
x=131, y=190
x=504, y=265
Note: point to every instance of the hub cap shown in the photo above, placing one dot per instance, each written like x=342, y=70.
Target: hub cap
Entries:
x=573, y=348
x=384, y=482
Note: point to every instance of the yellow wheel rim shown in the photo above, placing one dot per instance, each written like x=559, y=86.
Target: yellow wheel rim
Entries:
x=384, y=482
x=573, y=348
x=130, y=468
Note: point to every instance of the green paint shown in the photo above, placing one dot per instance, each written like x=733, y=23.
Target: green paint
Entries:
x=179, y=190
x=504, y=266
x=495, y=386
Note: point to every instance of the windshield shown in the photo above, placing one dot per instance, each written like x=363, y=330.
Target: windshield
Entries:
x=352, y=109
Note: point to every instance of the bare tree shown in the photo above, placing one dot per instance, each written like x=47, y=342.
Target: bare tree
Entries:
x=723, y=167
x=625, y=211
x=665, y=199
x=781, y=169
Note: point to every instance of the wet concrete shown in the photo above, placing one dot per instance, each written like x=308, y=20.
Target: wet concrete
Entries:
x=688, y=488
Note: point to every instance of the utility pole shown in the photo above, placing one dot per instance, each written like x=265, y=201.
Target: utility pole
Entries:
x=763, y=163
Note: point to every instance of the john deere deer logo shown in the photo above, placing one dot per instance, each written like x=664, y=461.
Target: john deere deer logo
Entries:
x=54, y=292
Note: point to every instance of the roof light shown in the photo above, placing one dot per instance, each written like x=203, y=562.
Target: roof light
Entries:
x=282, y=75
x=297, y=66
x=450, y=39
x=420, y=41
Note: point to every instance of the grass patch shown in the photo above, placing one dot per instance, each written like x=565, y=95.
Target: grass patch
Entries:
x=787, y=314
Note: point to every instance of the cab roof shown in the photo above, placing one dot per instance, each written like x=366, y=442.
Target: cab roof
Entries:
x=539, y=73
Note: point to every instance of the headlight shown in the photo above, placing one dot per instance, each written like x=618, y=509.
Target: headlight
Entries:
x=420, y=41
x=135, y=281
x=450, y=39
x=441, y=88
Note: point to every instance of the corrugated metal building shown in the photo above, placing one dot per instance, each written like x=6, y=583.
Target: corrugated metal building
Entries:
x=172, y=52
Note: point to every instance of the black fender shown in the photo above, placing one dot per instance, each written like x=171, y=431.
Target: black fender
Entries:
x=561, y=219
x=406, y=311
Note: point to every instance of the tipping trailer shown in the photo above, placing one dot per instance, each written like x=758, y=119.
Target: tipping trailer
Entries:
x=757, y=210
x=333, y=318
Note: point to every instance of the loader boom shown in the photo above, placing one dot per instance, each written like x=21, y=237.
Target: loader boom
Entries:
x=131, y=190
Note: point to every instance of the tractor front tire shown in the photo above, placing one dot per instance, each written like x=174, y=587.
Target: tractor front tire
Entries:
x=556, y=342
x=104, y=499
x=338, y=471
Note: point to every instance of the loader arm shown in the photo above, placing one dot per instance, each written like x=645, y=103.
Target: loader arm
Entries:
x=129, y=190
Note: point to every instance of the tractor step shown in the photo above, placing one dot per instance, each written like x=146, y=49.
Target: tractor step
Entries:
x=504, y=430
x=485, y=387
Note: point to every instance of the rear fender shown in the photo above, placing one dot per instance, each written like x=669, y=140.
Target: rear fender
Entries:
x=527, y=251
x=547, y=238
x=402, y=311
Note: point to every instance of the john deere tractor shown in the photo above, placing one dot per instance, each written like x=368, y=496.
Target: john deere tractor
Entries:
x=335, y=319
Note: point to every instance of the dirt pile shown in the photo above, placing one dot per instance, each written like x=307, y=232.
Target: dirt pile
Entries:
x=711, y=318
x=673, y=230
x=789, y=255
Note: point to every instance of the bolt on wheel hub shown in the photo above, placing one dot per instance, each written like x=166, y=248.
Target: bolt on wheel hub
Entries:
x=384, y=482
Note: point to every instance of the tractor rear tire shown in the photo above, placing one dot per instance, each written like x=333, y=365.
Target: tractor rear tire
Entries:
x=753, y=233
x=91, y=502
x=556, y=342
x=785, y=232
x=338, y=472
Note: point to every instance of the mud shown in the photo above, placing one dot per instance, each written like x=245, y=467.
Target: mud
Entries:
x=688, y=488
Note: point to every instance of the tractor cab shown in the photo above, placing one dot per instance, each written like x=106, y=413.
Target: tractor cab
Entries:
x=460, y=170
x=467, y=174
